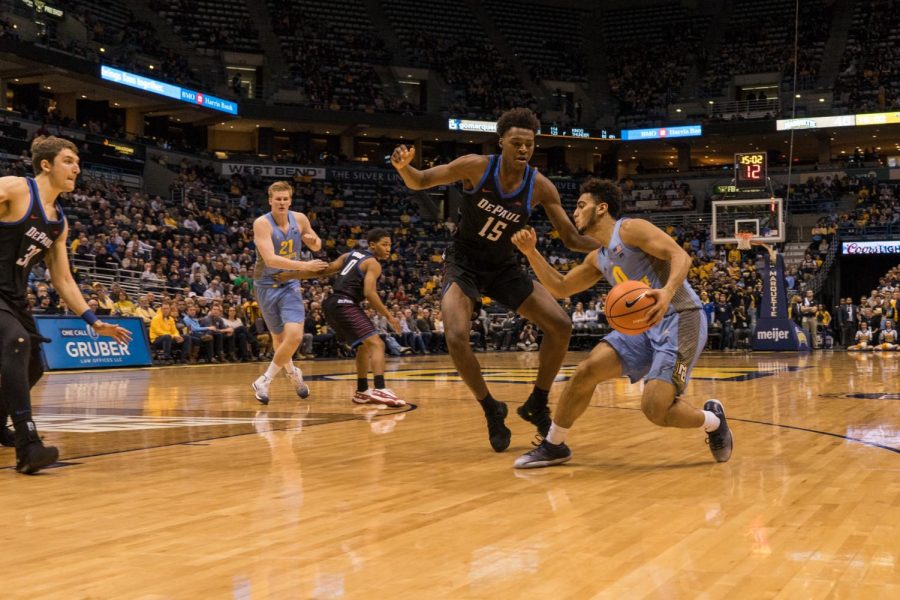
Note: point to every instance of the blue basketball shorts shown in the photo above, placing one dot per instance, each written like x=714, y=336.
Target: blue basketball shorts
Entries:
x=666, y=352
x=280, y=305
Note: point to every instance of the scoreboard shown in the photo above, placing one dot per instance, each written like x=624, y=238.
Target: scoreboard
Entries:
x=750, y=171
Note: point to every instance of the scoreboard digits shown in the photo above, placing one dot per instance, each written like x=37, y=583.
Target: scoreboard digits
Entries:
x=750, y=170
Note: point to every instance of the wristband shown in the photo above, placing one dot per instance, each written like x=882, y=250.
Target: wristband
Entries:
x=89, y=317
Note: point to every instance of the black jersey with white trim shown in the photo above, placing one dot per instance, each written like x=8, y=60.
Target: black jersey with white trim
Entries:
x=488, y=218
x=24, y=243
x=350, y=280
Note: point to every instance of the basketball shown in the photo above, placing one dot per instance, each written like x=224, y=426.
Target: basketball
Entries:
x=627, y=305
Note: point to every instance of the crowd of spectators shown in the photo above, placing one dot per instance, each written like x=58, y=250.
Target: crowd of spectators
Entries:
x=870, y=69
x=333, y=64
x=815, y=195
x=869, y=324
x=645, y=98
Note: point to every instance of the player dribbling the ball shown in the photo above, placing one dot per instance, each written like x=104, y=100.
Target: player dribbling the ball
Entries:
x=663, y=356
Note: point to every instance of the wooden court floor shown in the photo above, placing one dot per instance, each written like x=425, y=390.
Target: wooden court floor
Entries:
x=176, y=485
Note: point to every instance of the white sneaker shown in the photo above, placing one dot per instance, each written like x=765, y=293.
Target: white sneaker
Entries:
x=386, y=396
x=366, y=398
x=377, y=400
x=261, y=388
x=299, y=385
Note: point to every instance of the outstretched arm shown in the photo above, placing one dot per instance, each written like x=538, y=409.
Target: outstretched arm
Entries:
x=467, y=168
x=578, y=279
x=332, y=268
x=547, y=196
x=64, y=284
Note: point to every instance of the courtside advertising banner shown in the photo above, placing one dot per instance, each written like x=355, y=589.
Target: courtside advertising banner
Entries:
x=774, y=330
x=75, y=345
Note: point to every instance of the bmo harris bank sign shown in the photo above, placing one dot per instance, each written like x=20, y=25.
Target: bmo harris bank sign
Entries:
x=881, y=247
x=75, y=345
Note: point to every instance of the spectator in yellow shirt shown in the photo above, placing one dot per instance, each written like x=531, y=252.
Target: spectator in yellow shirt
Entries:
x=144, y=310
x=163, y=333
x=123, y=306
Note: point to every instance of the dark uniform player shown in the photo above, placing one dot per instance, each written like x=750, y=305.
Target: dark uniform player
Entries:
x=33, y=227
x=502, y=191
x=357, y=273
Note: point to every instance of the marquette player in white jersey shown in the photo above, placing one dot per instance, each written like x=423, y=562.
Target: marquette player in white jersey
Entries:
x=357, y=275
x=33, y=227
x=888, y=338
x=662, y=356
x=279, y=236
x=500, y=193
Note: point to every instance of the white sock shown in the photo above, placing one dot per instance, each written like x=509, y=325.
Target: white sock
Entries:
x=710, y=421
x=557, y=434
x=273, y=369
x=291, y=366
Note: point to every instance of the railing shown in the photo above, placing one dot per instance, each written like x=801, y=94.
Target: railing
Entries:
x=744, y=108
x=818, y=281
x=869, y=231
x=130, y=281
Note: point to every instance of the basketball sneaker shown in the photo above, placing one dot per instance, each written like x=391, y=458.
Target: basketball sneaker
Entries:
x=537, y=413
x=261, y=388
x=720, y=441
x=498, y=433
x=544, y=455
x=363, y=397
x=31, y=453
x=386, y=396
x=300, y=386
x=383, y=398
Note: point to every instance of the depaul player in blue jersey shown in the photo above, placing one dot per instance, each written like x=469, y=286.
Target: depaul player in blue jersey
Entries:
x=500, y=193
x=279, y=236
x=663, y=356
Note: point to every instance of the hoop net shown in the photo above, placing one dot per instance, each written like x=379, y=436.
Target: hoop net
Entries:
x=743, y=240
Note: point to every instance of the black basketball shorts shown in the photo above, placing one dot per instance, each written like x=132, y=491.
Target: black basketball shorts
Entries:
x=506, y=283
x=348, y=320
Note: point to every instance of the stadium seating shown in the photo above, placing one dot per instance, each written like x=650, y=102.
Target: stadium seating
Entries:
x=548, y=39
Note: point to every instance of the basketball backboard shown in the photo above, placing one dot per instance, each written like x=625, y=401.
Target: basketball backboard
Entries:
x=763, y=217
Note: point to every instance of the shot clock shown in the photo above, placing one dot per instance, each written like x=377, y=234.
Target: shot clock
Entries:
x=750, y=170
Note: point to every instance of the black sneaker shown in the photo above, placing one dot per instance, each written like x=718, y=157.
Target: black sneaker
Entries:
x=537, y=413
x=7, y=437
x=720, y=441
x=34, y=456
x=545, y=455
x=498, y=433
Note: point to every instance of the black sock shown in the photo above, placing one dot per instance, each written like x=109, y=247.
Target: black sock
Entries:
x=379, y=382
x=362, y=384
x=539, y=396
x=488, y=403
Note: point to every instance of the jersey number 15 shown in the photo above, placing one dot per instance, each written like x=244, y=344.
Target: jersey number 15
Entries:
x=495, y=232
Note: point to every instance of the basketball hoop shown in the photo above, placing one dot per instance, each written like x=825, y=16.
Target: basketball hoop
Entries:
x=743, y=240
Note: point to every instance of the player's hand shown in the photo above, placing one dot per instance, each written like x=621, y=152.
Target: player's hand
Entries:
x=395, y=324
x=656, y=312
x=310, y=239
x=525, y=240
x=402, y=156
x=120, y=334
x=314, y=266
